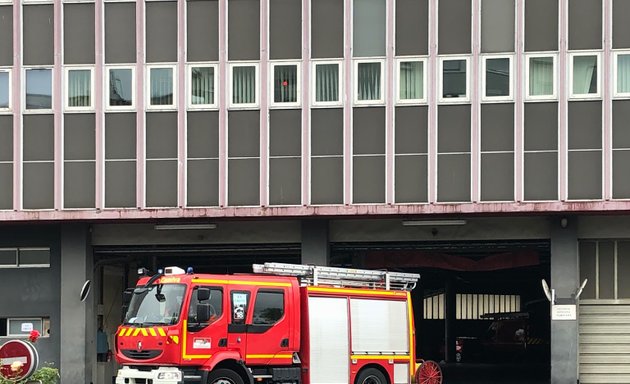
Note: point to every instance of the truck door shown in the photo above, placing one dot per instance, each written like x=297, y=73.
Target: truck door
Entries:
x=202, y=339
x=269, y=331
x=237, y=327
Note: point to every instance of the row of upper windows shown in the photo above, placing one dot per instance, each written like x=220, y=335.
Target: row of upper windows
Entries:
x=326, y=88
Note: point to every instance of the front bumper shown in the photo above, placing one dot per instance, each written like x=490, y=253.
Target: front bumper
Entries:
x=161, y=375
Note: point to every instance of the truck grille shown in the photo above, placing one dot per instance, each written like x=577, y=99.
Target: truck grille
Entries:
x=141, y=355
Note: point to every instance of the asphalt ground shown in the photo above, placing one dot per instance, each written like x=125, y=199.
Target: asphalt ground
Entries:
x=467, y=373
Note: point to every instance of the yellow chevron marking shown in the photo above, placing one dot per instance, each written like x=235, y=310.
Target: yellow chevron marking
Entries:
x=161, y=331
x=152, y=332
x=129, y=332
x=175, y=339
x=136, y=332
x=122, y=332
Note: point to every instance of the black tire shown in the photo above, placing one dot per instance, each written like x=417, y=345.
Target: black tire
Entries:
x=224, y=376
x=371, y=376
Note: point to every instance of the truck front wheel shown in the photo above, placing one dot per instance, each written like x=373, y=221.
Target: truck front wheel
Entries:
x=224, y=376
x=371, y=376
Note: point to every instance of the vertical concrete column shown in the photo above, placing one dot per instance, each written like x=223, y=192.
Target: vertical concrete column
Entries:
x=564, y=279
x=315, y=246
x=77, y=328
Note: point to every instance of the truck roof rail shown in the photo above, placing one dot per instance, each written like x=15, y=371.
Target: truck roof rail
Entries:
x=342, y=277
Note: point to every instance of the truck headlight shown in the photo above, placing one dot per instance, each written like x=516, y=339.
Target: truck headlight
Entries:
x=174, y=375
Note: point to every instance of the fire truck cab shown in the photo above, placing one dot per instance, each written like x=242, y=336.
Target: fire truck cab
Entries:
x=285, y=323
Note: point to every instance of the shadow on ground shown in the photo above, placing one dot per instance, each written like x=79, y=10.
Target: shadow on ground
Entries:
x=495, y=373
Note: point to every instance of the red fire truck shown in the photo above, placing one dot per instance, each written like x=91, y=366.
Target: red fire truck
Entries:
x=285, y=323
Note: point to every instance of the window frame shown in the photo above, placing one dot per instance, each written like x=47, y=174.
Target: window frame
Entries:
x=17, y=263
x=616, y=54
x=298, y=89
x=282, y=294
x=453, y=100
x=66, y=86
x=355, y=78
x=189, y=68
x=554, y=95
x=405, y=59
x=320, y=104
x=484, y=96
x=45, y=111
x=256, y=103
x=43, y=331
x=147, y=88
x=585, y=96
x=124, y=108
x=9, y=72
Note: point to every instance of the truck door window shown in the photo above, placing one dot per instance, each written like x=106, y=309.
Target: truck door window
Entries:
x=269, y=307
x=240, y=303
x=216, y=307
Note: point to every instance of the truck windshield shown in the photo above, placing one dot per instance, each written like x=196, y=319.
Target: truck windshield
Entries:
x=155, y=305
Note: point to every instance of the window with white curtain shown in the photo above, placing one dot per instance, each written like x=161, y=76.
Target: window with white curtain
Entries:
x=622, y=73
x=411, y=80
x=161, y=92
x=38, y=89
x=244, y=85
x=369, y=82
x=497, y=78
x=327, y=79
x=120, y=88
x=584, y=75
x=454, y=79
x=286, y=84
x=202, y=85
x=541, y=72
x=79, y=85
x=5, y=89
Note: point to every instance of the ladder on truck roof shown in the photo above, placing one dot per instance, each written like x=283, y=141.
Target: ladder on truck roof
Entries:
x=342, y=277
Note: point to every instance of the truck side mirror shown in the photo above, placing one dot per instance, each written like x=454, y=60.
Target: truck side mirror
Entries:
x=203, y=313
x=203, y=293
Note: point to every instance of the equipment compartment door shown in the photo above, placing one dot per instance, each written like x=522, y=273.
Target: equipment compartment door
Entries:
x=329, y=350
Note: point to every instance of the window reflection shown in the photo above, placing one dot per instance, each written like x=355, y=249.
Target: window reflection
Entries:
x=4, y=90
x=38, y=89
x=120, y=87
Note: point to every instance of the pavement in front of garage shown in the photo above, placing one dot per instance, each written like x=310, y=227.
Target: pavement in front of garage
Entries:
x=495, y=373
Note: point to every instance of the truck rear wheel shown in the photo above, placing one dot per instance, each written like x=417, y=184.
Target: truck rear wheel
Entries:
x=371, y=376
x=224, y=376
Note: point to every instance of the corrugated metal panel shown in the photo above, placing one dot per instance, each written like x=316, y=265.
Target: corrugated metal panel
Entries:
x=604, y=344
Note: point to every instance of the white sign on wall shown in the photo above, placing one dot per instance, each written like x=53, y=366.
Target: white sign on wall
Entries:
x=564, y=312
x=27, y=327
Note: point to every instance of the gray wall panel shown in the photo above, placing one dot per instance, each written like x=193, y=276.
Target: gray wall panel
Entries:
x=243, y=29
x=6, y=35
x=541, y=176
x=203, y=134
x=585, y=125
x=453, y=128
x=120, y=135
x=497, y=176
x=203, y=183
x=588, y=262
x=161, y=183
x=454, y=26
x=497, y=25
x=37, y=39
x=327, y=180
x=38, y=185
x=285, y=132
x=411, y=130
x=202, y=28
x=120, y=184
x=38, y=135
x=368, y=130
x=585, y=24
x=161, y=133
x=541, y=126
x=606, y=269
x=497, y=127
x=621, y=123
x=79, y=136
x=161, y=34
x=79, y=184
x=6, y=186
x=285, y=29
x=243, y=182
x=620, y=25
x=327, y=28
x=368, y=179
x=243, y=134
x=585, y=175
x=78, y=35
x=621, y=181
x=327, y=131
x=285, y=181
x=453, y=178
x=120, y=32
x=541, y=25
x=6, y=138
x=411, y=179
x=412, y=27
